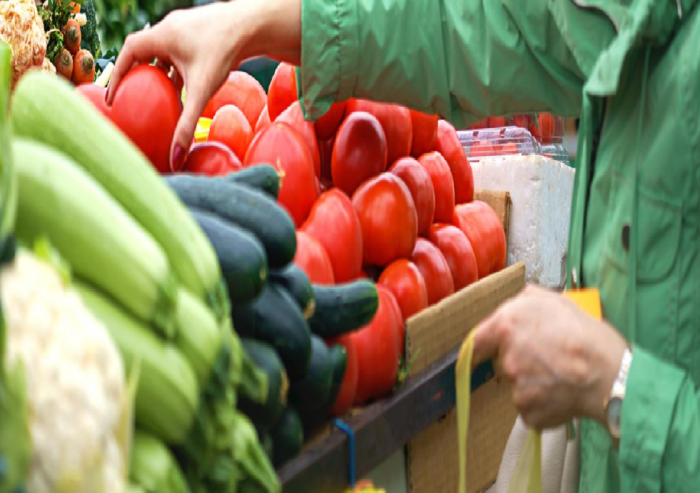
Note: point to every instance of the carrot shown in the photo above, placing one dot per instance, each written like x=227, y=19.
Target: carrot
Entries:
x=83, y=68
x=72, y=36
x=75, y=7
x=64, y=64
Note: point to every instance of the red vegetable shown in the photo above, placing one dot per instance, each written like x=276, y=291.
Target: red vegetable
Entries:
x=327, y=125
x=96, y=95
x=418, y=181
x=231, y=128
x=212, y=158
x=458, y=252
x=313, y=259
x=435, y=271
x=479, y=222
x=425, y=129
x=443, y=185
x=405, y=281
x=294, y=117
x=346, y=395
x=450, y=147
x=282, y=91
x=396, y=122
x=241, y=90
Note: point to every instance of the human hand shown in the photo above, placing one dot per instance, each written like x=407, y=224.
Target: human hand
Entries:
x=561, y=362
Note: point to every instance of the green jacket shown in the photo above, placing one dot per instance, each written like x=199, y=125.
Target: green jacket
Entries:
x=631, y=70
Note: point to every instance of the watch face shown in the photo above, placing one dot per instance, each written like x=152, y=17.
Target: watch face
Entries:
x=614, y=416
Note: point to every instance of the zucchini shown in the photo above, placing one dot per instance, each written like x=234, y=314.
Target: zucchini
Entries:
x=153, y=467
x=261, y=176
x=276, y=319
x=266, y=414
x=241, y=256
x=295, y=281
x=315, y=418
x=267, y=445
x=102, y=150
x=311, y=391
x=246, y=207
x=287, y=437
x=343, y=308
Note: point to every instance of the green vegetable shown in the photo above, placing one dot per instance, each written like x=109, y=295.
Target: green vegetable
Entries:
x=313, y=418
x=107, y=154
x=287, y=437
x=343, y=308
x=267, y=445
x=295, y=281
x=261, y=176
x=312, y=390
x=257, y=473
x=89, y=34
x=152, y=466
x=55, y=14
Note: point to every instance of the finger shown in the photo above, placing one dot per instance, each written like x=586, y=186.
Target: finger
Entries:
x=487, y=341
x=194, y=105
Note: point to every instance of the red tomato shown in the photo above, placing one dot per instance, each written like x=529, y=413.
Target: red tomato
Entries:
x=263, y=121
x=346, y=394
x=522, y=121
x=325, y=150
x=282, y=147
x=282, y=91
x=313, y=259
x=241, y=90
x=396, y=122
x=458, y=252
x=327, y=125
x=479, y=222
x=377, y=346
x=443, y=185
x=388, y=219
x=212, y=158
x=424, y=133
x=418, y=181
x=450, y=147
x=405, y=281
x=334, y=224
x=294, y=117
x=146, y=108
x=547, y=127
x=231, y=128
x=396, y=310
x=497, y=121
x=483, y=148
x=480, y=124
x=359, y=152
x=435, y=270
x=96, y=95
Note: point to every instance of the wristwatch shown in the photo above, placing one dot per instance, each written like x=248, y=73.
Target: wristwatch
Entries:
x=613, y=404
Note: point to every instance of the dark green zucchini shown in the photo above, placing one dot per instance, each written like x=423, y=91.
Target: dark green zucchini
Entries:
x=276, y=319
x=312, y=420
x=287, y=437
x=294, y=280
x=242, y=257
x=261, y=176
x=311, y=391
x=343, y=308
x=246, y=207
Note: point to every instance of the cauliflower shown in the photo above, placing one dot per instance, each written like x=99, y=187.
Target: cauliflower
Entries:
x=48, y=66
x=22, y=28
x=75, y=381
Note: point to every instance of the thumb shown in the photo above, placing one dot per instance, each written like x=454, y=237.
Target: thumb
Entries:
x=487, y=341
x=194, y=105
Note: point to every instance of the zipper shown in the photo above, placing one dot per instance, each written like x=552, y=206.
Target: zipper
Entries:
x=582, y=4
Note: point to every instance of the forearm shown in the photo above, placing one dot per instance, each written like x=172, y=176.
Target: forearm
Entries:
x=275, y=30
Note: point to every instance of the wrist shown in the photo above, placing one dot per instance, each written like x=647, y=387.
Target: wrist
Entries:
x=608, y=359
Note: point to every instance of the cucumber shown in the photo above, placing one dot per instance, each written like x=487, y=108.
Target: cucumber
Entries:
x=241, y=256
x=261, y=176
x=266, y=414
x=267, y=445
x=287, y=437
x=275, y=318
x=248, y=208
x=313, y=419
x=295, y=281
x=343, y=308
x=310, y=392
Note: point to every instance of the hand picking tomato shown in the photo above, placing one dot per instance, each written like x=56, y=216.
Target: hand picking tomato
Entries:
x=241, y=90
x=359, y=152
x=396, y=122
x=281, y=146
x=377, y=345
x=443, y=185
x=327, y=125
x=212, y=159
x=146, y=107
x=424, y=133
x=334, y=224
x=313, y=259
x=484, y=230
x=263, y=121
x=435, y=271
x=346, y=394
x=294, y=117
x=450, y=147
x=388, y=219
x=458, y=252
x=405, y=281
x=96, y=95
x=282, y=91
x=231, y=128
x=418, y=181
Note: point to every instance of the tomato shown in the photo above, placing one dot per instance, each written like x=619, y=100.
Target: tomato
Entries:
x=497, y=121
x=231, y=128
x=294, y=117
x=334, y=224
x=359, y=152
x=418, y=181
x=325, y=150
x=480, y=124
x=522, y=121
x=479, y=222
x=282, y=147
x=405, y=281
x=388, y=219
x=547, y=127
x=377, y=346
x=241, y=90
x=424, y=133
x=443, y=185
x=435, y=270
x=481, y=149
x=282, y=91
x=313, y=259
x=346, y=394
x=506, y=149
x=211, y=158
x=396, y=122
x=146, y=108
x=263, y=121
x=96, y=95
x=458, y=252
x=396, y=310
x=327, y=125
x=450, y=147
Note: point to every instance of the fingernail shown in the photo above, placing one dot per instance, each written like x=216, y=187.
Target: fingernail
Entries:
x=178, y=157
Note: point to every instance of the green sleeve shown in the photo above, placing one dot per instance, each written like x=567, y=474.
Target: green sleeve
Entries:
x=660, y=444
x=462, y=59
